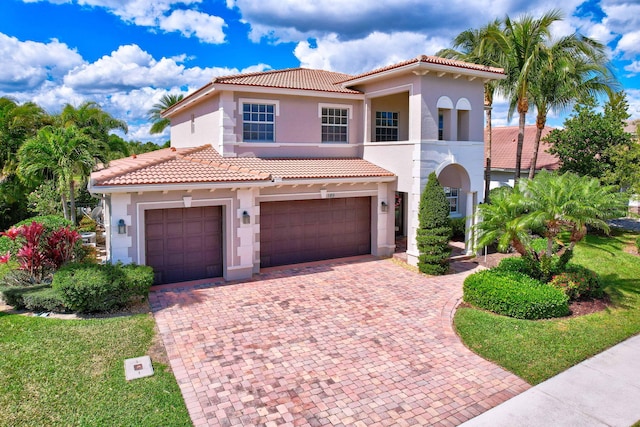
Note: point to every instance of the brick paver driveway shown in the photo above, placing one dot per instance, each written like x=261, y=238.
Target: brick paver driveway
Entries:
x=349, y=343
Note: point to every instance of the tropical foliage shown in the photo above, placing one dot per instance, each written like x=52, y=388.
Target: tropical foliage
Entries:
x=155, y=113
x=551, y=74
x=549, y=204
x=591, y=140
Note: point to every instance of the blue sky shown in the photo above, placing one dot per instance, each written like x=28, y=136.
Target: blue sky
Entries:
x=125, y=54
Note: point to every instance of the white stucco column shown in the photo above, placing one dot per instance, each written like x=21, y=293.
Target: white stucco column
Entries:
x=469, y=240
x=120, y=243
x=226, y=126
x=383, y=235
x=245, y=230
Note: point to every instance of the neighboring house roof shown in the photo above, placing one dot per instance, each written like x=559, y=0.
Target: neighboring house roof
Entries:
x=504, y=142
x=203, y=164
x=291, y=78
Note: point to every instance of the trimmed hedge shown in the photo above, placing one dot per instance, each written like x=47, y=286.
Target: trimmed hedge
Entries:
x=578, y=282
x=514, y=294
x=95, y=287
x=35, y=298
x=514, y=265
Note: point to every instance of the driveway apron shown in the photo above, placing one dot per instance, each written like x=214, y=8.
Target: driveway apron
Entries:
x=364, y=343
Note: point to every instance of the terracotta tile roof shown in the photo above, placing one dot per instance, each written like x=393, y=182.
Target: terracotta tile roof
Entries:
x=291, y=78
x=204, y=164
x=426, y=59
x=504, y=141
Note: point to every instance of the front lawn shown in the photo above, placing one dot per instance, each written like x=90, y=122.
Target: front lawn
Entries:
x=57, y=372
x=538, y=350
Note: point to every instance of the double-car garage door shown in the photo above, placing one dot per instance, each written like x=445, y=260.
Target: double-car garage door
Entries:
x=186, y=244
x=312, y=230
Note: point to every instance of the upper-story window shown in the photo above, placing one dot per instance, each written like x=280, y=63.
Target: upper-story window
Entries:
x=335, y=124
x=386, y=126
x=440, y=125
x=452, y=196
x=258, y=122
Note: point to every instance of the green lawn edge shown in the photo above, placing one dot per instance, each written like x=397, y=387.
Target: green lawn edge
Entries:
x=539, y=350
x=71, y=372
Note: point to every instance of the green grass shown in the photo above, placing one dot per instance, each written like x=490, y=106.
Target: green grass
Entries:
x=57, y=372
x=538, y=350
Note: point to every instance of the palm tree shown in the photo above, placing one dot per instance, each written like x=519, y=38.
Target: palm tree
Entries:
x=576, y=67
x=155, y=113
x=570, y=202
x=524, y=46
x=477, y=47
x=61, y=153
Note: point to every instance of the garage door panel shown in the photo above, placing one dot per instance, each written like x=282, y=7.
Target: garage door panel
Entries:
x=184, y=243
x=310, y=230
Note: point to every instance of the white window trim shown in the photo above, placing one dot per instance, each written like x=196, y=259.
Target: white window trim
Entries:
x=457, y=199
x=347, y=107
x=275, y=102
x=258, y=101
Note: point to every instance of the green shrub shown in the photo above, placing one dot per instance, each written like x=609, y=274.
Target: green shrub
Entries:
x=96, y=287
x=638, y=244
x=35, y=298
x=540, y=245
x=578, y=282
x=434, y=231
x=458, y=228
x=7, y=268
x=514, y=294
x=515, y=264
x=87, y=224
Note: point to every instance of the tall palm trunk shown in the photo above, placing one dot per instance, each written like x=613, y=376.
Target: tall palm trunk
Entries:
x=541, y=120
x=65, y=208
x=487, y=170
x=523, y=107
x=72, y=201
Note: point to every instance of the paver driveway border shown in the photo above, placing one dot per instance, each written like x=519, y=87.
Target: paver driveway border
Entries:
x=361, y=342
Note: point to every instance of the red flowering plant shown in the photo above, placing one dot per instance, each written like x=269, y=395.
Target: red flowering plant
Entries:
x=41, y=254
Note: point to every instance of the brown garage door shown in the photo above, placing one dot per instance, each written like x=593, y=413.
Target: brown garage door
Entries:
x=312, y=230
x=184, y=244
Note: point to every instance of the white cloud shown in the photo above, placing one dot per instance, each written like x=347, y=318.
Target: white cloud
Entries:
x=629, y=45
x=28, y=64
x=633, y=68
x=207, y=28
x=375, y=50
x=161, y=14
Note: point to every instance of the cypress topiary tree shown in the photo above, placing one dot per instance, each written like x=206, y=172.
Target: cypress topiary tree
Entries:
x=434, y=230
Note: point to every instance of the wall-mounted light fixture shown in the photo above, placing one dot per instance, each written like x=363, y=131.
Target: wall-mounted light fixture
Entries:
x=122, y=227
x=187, y=201
x=384, y=207
x=246, y=219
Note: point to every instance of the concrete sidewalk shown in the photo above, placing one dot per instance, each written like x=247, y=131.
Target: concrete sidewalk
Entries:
x=601, y=391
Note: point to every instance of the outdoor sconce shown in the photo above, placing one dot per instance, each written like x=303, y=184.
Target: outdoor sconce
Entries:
x=384, y=207
x=246, y=219
x=187, y=201
x=122, y=227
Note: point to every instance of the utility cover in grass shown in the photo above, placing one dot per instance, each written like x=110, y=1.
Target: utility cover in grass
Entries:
x=138, y=367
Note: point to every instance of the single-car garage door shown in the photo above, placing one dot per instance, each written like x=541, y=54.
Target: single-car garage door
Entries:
x=184, y=244
x=313, y=230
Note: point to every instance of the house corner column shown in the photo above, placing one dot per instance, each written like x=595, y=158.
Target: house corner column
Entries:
x=121, y=243
x=227, y=136
x=245, y=226
x=383, y=234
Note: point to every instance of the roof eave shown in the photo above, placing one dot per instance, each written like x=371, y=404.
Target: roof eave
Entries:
x=423, y=68
x=110, y=189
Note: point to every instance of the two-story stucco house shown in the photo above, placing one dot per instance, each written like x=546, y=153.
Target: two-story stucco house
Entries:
x=296, y=165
